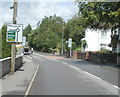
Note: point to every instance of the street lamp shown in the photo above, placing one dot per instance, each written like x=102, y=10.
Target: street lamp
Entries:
x=62, y=39
x=62, y=50
x=116, y=31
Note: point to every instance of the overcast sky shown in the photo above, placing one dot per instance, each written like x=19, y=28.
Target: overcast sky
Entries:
x=32, y=12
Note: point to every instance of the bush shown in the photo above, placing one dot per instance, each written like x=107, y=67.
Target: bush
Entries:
x=104, y=51
x=6, y=47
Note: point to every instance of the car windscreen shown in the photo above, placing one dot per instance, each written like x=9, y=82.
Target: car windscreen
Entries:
x=26, y=50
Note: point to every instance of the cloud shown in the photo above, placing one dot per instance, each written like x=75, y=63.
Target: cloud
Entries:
x=32, y=12
x=39, y=0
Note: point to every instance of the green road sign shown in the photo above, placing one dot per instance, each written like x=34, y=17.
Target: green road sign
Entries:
x=11, y=35
x=14, y=33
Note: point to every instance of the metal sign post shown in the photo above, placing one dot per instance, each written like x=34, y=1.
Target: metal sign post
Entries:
x=23, y=40
x=70, y=45
x=14, y=34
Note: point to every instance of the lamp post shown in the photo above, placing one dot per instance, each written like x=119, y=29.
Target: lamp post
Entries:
x=118, y=47
x=62, y=40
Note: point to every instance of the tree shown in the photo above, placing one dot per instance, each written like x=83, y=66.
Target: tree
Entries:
x=27, y=30
x=30, y=38
x=75, y=28
x=0, y=43
x=101, y=15
x=6, y=47
x=47, y=34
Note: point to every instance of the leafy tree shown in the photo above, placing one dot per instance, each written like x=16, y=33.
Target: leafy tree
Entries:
x=84, y=43
x=0, y=43
x=27, y=30
x=48, y=33
x=102, y=15
x=31, y=38
x=6, y=47
x=75, y=28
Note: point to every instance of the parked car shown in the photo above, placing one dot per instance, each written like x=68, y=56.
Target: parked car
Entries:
x=26, y=51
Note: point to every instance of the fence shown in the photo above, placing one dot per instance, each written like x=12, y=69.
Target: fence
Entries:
x=103, y=57
x=5, y=65
x=96, y=57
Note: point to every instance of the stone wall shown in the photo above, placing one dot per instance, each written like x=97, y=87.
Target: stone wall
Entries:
x=5, y=65
x=96, y=57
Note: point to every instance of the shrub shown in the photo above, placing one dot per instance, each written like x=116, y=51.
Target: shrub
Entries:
x=104, y=51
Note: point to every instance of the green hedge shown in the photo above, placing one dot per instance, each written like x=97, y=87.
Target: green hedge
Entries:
x=5, y=46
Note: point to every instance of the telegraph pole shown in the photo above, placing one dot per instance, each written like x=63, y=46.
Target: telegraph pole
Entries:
x=62, y=45
x=62, y=40
x=13, y=51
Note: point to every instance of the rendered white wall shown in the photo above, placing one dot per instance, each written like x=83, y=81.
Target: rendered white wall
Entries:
x=93, y=38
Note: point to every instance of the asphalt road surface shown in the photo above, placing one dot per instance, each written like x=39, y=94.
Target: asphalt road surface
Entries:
x=64, y=76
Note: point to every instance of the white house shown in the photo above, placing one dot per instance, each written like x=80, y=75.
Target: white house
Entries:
x=97, y=39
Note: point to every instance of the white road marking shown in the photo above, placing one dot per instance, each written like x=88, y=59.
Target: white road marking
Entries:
x=65, y=63
x=93, y=75
x=74, y=67
x=35, y=57
x=52, y=59
x=78, y=69
x=31, y=82
x=116, y=86
x=39, y=55
x=30, y=57
x=111, y=68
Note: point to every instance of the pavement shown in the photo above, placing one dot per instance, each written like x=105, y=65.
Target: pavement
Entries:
x=17, y=83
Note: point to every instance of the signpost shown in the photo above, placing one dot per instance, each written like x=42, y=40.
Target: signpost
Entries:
x=11, y=35
x=24, y=41
x=70, y=45
x=14, y=33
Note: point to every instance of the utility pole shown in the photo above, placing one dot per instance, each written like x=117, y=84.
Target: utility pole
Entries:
x=62, y=45
x=70, y=46
x=70, y=52
x=62, y=39
x=13, y=51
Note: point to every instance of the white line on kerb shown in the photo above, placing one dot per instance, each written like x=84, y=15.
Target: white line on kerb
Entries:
x=74, y=67
x=116, y=86
x=84, y=71
x=88, y=73
x=65, y=63
x=93, y=75
x=35, y=57
x=30, y=57
x=111, y=68
x=31, y=82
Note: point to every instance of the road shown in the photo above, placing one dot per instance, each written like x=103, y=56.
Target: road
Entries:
x=64, y=76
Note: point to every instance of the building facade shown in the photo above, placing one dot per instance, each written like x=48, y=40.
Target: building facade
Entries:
x=97, y=39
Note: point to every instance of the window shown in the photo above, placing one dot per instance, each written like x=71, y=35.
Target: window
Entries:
x=103, y=34
x=103, y=46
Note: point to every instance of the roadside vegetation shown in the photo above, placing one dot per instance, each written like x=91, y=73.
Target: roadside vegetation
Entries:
x=4, y=46
x=48, y=34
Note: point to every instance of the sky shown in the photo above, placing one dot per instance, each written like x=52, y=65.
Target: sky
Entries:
x=33, y=12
